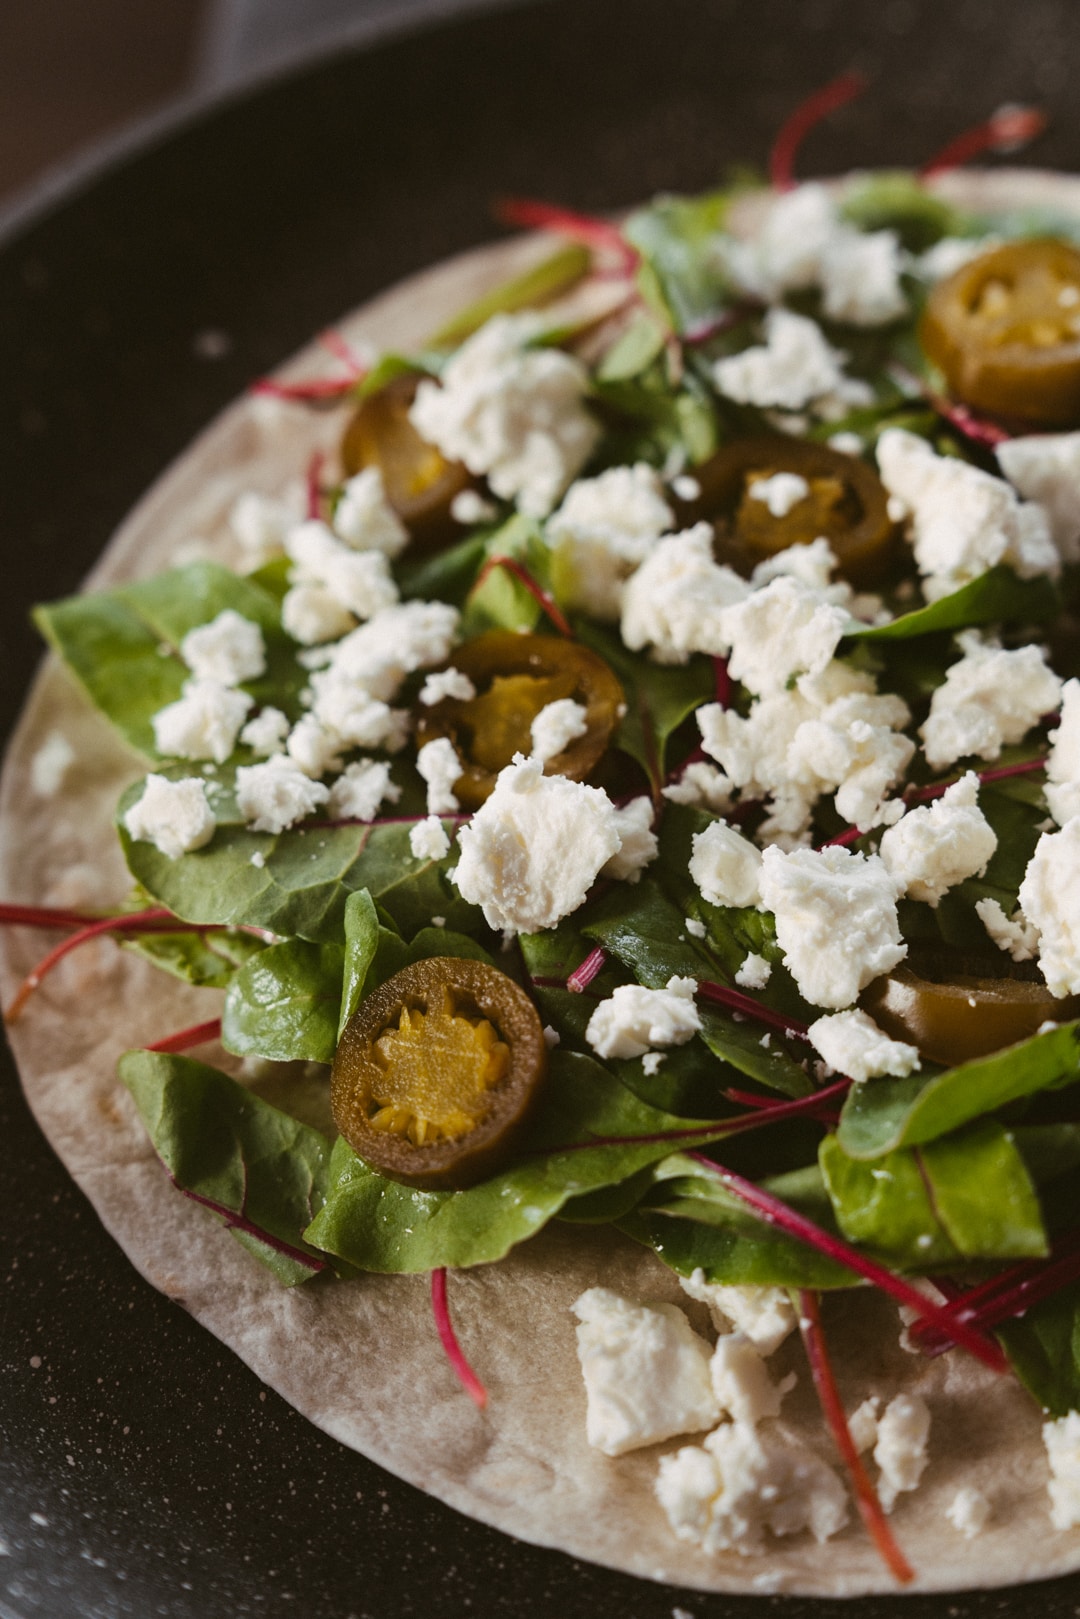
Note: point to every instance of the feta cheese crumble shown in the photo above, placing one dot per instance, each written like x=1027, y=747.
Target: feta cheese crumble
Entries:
x=172, y=815
x=963, y=521
x=638, y=845
x=604, y=529
x=936, y=846
x=440, y=766
x=277, y=794
x=1062, y=1441
x=646, y=1372
x=359, y=791
x=202, y=724
x=266, y=732
x=742, y=1481
x=754, y=973
x=1045, y=467
x=1014, y=934
x=988, y=700
x=512, y=411
x=311, y=614
x=741, y=1382
x=396, y=642
x=726, y=866
x=793, y=367
x=780, y=493
x=556, y=726
x=365, y=519
x=852, y=1044
x=531, y=853
x=836, y=920
x=634, y=1019
x=702, y=786
x=765, y=1315
x=229, y=649
x=428, y=839
x=444, y=683
x=1063, y=763
x=1050, y=900
x=675, y=601
x=900, y=1452
x=969, y=1511
x=779, y=632
x=360, y=581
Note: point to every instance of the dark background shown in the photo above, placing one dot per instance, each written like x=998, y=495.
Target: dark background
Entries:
x=143, y=1470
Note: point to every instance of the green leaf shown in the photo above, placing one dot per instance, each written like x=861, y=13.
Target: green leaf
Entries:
x=998, y=596
x=967, y=1194
x=284, y=1004
x=543, y=282
x=263, y=1172
x=634, y=350
x=372, y=954
x=883, y=1114
x=895, y=200
x=500, y=600
x=1043, y=1346
x=379, y=1225
x=206, y=959
x=677, y=237
x=123, y=645
x=659, y=697
x=448, y=575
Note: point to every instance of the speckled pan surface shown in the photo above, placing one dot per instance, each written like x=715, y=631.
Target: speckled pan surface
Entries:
x=185, y=1492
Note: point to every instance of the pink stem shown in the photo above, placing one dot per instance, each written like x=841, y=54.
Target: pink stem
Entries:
x=156, y=921
x=600, y=234
x=43, y=916
x=447, y=1337
x=240, y=1222
x=198, y=1035
x=323, y=388
x=866, y=1497
x=1006, y=1295
x=582, y=976
x=704, y=330
x=722, y=680
x=775, y=1212
x=736, y=1001
x=770, y=1113
x=806, y=115
x=937, y=789
x=979, y=429
x=335, y=344
x=1006, y=130
x=524, y=577
x=314, y=493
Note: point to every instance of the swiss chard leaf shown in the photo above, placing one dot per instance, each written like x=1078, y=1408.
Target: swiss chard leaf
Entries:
x=263, y=1172
x=883, y=1114
x=1043, y=1346
x=122, y=645
x=659, y=697
x=372, y=954
x=284, y=1004
x=998, y=596
x=207, y=959
x=379, y=1225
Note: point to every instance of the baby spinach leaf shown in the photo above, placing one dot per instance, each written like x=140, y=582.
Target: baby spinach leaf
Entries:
x=1043, y=1346
x=284, y=1003
x=372, y=954
x=967, y=1194
x=263, y=1172
x=206, y=959
x=379, y=1225
x=448, y=575
x=998, y=596
x=882, y=1114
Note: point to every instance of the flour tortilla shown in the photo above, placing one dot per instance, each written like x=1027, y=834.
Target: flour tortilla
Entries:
x=361, y=1359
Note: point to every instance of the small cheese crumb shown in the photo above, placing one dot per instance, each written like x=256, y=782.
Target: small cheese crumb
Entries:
x=780, y=492
x=230, y=649
x=358, y=792
x=365, y=519
x=440, y=767
x=863, y=1424
x=172, y=815
x=266, y=733
x=900, y=1452
x=702, y=786
x=852, y=1044
x=765, y=1315
x=1014, y=934
x=203, y=723
x=556, y=726
x=315, y=749
x=968, y=1511
x=274, y=795
x=696, y=929
x=938, y=845
x=50, y=765
x=443, y=683
x=634, y=1019
x=754, y=973
x=726, y=866
x=1062, y=1441
x=638, y=845
x=531, y=853
x=358, y=580
x=469, y=507
x=311, y=614
x=646, y=1372
x=428, y=839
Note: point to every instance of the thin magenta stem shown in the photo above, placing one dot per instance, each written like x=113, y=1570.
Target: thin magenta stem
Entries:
x=448, y=1338
x=736, y=1001
x=538, y=593
x=582, y=976
x=806, y=115
x=527, y=213
x=1006, y=130
x=155, y=921
x=199, y=1034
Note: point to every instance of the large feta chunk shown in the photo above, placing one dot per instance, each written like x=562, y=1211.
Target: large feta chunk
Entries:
x=741, y=1381
x=900, y=1452
x=604, y=529
x=779, y=632
x=765, y=1315
x=988, y=700
x=360, y=581
x=836, y=920
x=230, y=649
x=742, y=1481
x=852, y=1044
x=1050, y=900
x=963, y=521
x=274, y=795
x=938, y=845
x=675, y=601
x=725, y=865
x=172, y=815
x=1045, y=467
x=202, y=724
x=512, y=411
x=646, y=1372
x=365, y=519
x=1062, y=1441
x=793, y=367
x=531, y=853
x=633, y=1020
